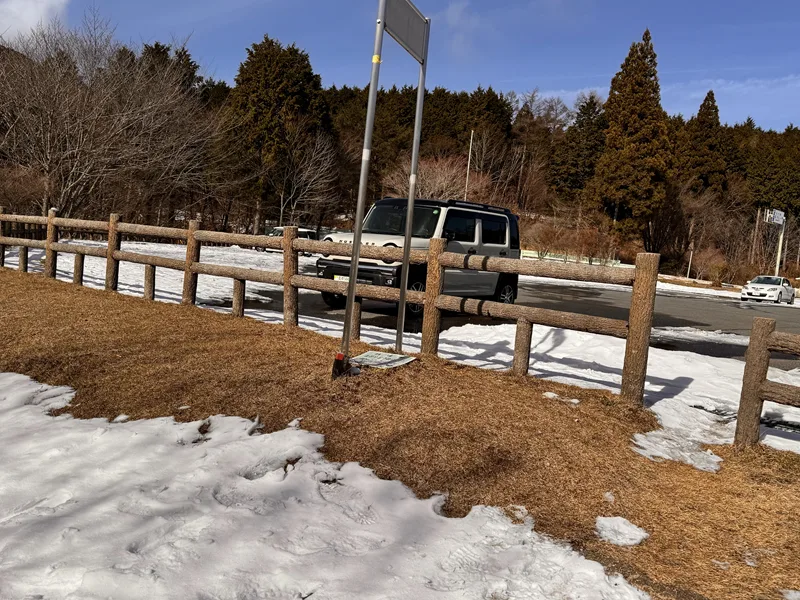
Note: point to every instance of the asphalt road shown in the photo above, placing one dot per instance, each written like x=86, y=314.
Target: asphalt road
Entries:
x=673, y=309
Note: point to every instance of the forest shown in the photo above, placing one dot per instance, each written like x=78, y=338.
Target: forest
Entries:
x=92, y=126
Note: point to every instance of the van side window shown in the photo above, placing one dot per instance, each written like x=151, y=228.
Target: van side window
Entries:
x=461, y=225
x=514, y=232
x=493, y=229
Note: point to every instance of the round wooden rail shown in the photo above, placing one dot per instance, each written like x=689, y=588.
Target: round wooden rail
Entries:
x=789, y=343
x=274, y=277
x=9, y=241
x=30, y=219
x=538, y=316
x=149, y=259
x=390, y=254
x=780, y=393
x=374, y=292
x=81, y=224
x=239, y=239
x=151, y=231
x=538, y=268
x=98, y=251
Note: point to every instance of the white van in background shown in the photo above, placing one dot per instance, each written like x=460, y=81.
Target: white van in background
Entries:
x=469, y=228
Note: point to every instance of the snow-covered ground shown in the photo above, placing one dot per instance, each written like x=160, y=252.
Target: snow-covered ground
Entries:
x=154, y=509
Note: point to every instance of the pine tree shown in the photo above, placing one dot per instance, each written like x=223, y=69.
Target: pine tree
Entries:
x=700, y=156
x=630, y=181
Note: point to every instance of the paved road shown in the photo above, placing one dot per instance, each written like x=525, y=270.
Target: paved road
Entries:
x=673, y=309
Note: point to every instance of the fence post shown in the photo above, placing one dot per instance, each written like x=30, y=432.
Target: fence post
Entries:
x=640, y=322
x=114, y=244
x=2, y=247
x=432, y=316
x=77, y=270
x=748, y=422
x=238, y=297
x=50, y=255
x=290, y=261
x=192, y=256
x=522, y=347
x=149, y=282
x=355, y=330
x=23, y=259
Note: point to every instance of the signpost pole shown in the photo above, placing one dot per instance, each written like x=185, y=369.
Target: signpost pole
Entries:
x=340, y=364
x=780, y=249
x=412, y=194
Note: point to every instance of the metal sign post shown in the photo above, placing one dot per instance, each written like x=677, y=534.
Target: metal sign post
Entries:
x=401, y=20
x=412, y=194
x=777, y=217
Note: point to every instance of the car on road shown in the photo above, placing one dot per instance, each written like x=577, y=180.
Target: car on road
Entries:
x=302, y=232
x=468, y=227
x=770, y=289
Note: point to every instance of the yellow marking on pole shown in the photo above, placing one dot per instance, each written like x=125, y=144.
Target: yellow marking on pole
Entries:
x=376, y=58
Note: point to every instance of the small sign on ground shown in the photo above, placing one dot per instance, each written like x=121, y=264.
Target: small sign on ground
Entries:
x=381, y=360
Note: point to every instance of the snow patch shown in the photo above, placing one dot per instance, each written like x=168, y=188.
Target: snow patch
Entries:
x=619, y=531
x=138, y=510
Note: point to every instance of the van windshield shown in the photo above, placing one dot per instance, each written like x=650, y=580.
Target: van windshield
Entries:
x=390, y=219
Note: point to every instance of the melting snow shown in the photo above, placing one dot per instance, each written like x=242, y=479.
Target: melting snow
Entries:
x=620, y=531
x=152, y=509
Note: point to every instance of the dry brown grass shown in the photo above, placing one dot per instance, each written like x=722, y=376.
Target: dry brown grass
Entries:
x=483, y=437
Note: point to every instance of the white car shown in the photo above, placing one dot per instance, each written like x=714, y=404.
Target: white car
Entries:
x=772, y=289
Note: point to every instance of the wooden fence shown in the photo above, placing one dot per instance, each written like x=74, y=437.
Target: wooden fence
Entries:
x=756, y=388
x=636, y=331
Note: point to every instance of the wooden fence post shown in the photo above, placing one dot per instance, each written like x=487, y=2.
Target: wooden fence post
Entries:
x=748, y=422
x=432, y=316
x=355, y=330
x=114, y=244
x=192, y=256
x=50, y=255
x=522, y=347
x=149, y=282
x=23, y=259
x=290, y=264
x=238, y=297
x=2, y=247
x=640, y=323
x=77, y=270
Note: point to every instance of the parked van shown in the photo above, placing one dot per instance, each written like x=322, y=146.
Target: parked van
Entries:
x=469, y=228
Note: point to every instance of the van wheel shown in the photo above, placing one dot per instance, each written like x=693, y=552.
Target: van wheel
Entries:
x=414, y=311
x=506, y=291
x=334, y=301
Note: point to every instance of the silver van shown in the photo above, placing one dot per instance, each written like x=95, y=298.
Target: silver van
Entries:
x=469, y=228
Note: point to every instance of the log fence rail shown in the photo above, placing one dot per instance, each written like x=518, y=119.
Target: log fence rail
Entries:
x=636, y=331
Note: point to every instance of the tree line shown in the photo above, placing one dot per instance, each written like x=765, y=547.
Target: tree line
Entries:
x=90, y=126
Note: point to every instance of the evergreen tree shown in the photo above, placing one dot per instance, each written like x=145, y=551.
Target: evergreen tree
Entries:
x=701, y=160
x=275, y=84
x=276, y=89
x=630, y=181
x=575, y=158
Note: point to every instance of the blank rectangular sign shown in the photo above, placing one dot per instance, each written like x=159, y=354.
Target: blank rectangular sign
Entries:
x=407, y=26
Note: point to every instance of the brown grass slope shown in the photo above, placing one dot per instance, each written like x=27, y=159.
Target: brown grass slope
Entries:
x=482, y=437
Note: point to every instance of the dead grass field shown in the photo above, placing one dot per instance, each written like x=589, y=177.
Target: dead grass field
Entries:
x=482, y=437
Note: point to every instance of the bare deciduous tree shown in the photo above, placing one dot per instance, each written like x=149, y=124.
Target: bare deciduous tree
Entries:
x=94, y=120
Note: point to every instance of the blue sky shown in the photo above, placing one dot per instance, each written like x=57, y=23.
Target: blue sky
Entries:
x=747, y=51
